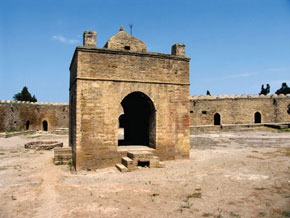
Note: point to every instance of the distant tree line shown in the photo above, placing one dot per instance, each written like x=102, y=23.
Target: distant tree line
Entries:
x=283, y=90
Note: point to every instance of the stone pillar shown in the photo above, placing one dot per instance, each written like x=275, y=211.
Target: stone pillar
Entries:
x=178, y=49
x=90, y=39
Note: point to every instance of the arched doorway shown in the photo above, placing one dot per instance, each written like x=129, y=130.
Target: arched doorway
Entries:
x=258, y=117
x=217, y=119
x=27, y=125
x=138, y=120
x=44, y=125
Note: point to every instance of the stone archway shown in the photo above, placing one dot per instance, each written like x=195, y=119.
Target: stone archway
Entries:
x=138, y=120
x=258, y=117
x=27, y=125
x=217, y=119
x=44, y=125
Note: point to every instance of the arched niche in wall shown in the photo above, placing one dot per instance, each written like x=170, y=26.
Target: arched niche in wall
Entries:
x=27, y=125
x=44, y=125
x=258, y=117
x=217, y=119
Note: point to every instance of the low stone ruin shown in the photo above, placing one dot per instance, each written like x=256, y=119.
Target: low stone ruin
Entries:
x=62, y=156
x=43, y=145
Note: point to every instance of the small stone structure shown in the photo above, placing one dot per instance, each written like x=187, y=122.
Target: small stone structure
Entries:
x=62, y=156
x=43, y=145
x=122, y=86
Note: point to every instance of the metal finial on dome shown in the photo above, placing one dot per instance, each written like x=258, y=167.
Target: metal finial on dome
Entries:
x=121, y=28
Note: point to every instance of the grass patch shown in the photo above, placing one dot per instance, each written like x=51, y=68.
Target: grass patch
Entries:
x=3, y=168
x=286, y=213
x=250, y=156
x=187, y=205
x=261, y=214
x=2, y=153
x=207, y=214
x=255, y=151
x=71, y=166
x=260, y=189
x=13, y=131
x=235, y=215
x=197, y=194
x=13, y=151
x=284, y=130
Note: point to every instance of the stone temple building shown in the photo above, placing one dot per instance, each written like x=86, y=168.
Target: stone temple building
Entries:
x=123, y=97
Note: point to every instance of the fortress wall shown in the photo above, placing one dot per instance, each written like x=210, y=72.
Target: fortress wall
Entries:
x=239, y=109
x=15, y=115
x=233, y=110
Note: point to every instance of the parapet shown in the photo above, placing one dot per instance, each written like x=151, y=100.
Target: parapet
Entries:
x=178, y=49
x=90, y=39
x=214, y=97
x=32, y=103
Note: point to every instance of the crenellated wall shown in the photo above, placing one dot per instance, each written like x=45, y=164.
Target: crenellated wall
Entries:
x=239, y=109
x=17, y=115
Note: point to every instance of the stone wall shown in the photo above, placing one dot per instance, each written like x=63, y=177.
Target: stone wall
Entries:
x=15, y=115
x=233, y=110
x=239, y=109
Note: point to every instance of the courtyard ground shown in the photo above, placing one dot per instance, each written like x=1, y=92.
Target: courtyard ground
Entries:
x=230, y=174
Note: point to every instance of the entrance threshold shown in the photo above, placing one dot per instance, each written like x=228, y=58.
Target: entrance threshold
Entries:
x=134, y=148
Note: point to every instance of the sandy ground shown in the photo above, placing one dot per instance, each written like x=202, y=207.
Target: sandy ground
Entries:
x=241, y=174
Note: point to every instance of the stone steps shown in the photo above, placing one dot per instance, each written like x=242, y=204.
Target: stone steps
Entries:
x=122, y=168
x=137, y=159
x=129, y=163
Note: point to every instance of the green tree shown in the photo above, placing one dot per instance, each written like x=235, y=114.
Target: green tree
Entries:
x=24, y=95
x=265, y=91
x=283, y=90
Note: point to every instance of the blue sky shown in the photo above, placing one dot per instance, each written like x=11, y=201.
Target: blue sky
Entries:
x=235, y=46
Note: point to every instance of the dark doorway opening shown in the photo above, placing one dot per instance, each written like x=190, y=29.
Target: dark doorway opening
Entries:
x=258, y=118
x=27, y=125
x=138, y=120
x=44, y=125
x=143, y=163
x=217, y=119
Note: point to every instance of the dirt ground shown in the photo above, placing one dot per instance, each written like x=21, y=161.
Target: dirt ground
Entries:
x=232, y=174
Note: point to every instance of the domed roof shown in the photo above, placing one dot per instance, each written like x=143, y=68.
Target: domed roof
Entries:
x=124, y=41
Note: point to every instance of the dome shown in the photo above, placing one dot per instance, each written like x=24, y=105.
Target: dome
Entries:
x=124, y=41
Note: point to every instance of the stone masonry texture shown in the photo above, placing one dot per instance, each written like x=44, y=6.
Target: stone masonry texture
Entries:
x=26, y=116
x=239, y=109
x=101, y=78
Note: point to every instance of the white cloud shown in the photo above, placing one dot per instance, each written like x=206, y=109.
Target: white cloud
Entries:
x=240, y=75
x=65, y=40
